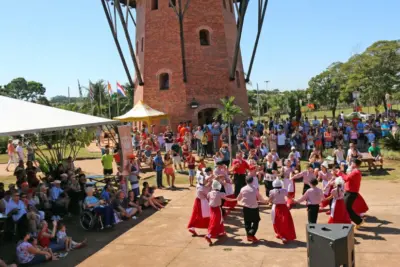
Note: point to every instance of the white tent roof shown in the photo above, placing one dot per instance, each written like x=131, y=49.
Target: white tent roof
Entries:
x=139, y=112
x=21, y=117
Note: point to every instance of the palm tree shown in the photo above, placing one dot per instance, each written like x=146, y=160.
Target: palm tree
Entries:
x=227, y=113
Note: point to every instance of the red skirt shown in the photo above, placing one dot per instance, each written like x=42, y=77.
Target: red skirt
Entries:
x=230, y=204
x=359, y=205
x=339, y=212
x=290, y=200
x=216, y=226
x=197, y=220
x=325, y=203
x=283, y=222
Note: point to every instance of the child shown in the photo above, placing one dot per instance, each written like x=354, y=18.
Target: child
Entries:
x=288, y=183
x=326, y=177
x=313, y=196
x=69, y=243
x=253, y=173
x=216, y=227
x=191, y=162
x=281, y=217
x=201, y=210
x=338, y=208
x=147, y=198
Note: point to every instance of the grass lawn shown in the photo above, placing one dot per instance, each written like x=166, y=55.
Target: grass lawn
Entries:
x=84, y=153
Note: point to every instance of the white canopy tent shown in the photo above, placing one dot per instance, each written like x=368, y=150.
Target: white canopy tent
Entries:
x=22, y=117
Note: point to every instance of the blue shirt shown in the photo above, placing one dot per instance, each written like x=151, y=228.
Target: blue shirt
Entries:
x=385, y=129
x=360, y=127
x=91, y=200
x=20, y=206
x=371, y=137
x=105, y=195
x=159, y=163
x=225, y=153
x=55, y=192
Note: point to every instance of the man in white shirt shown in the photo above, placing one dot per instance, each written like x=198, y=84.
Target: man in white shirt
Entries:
x=20, y=151
x=198, y=134
x=281, y=141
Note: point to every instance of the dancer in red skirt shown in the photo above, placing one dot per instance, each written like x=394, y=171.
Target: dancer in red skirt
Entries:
x=360, y=206
x=216, y=225
x=201, y=210
x=288, y=184
x=327, y=183
x=222, y=174
x=281, y=217
x=339, y=212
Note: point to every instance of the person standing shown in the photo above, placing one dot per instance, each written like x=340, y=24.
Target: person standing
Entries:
x=201, y=209
x=281, y=218
x=11, y=154
x=106, y=161
x=159, y=166
x=198, y=135
x=191, y=162
x=352, y=188
x=307, y=175
x=20, y=151
x=168, y=138
x=239, y=168
x=249, y=198
x=338, y=213
x=313, y=196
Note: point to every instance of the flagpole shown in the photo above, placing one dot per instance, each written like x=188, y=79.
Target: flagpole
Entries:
x=117, y=102
x=100, y=93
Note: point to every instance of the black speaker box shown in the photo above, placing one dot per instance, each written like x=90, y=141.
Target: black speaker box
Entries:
x=330, y=245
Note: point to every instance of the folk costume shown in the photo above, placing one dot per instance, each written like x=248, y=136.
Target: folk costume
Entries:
x=201, y=210
x=338, y=208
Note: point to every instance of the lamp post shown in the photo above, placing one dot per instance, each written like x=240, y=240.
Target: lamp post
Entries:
x=387, y=97
x=356, y=95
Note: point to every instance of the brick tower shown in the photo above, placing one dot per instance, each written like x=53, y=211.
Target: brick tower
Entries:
x=209, y=41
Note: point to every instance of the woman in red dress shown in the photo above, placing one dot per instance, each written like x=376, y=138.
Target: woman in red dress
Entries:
x=201, y=210
x=281, y=217
x=338, y=208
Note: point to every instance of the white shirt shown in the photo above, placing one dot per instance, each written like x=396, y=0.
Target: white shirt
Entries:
x=281, y=139
x=20, y=152
x=198, y=134
x=315, y=122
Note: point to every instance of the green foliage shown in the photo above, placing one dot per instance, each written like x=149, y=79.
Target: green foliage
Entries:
x=228, y=111
x=392, y=141
x=19, y=88
x=3, y=144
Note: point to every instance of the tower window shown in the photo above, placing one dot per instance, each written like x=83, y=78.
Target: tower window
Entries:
x=204, y=37
x=164, y=81
x=141, y=47
x=224, y=3
x=230, y=5
x=237, y=79
x=154, y=4
x=172, y=3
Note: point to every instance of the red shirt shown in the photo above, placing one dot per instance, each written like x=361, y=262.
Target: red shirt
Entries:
x=352, y=181
x=242, y=166
x=117, y=157
x=44, y=241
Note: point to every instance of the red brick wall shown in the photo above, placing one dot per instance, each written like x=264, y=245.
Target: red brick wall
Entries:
x=207, y=66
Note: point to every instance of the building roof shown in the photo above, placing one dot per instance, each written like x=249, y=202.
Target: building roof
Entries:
x=141, y=112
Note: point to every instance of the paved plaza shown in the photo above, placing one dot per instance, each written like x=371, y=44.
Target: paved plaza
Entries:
x=162, y=239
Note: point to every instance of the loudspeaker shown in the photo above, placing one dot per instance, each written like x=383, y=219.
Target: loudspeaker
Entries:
x=330, y=245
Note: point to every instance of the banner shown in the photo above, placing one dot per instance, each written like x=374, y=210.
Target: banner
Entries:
x=125, y=142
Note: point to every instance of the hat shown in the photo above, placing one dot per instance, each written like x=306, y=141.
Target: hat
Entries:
x=64, y=175
x=208, y=169
x=277, y=183
x=131, y=156
x=325, y=164
x=293, y=148
x=57, y=182
x=216, y=185
x=339, y=181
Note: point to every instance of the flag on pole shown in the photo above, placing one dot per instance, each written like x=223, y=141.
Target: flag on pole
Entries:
x=91, y=91
x=120, y=90
x=110, y=91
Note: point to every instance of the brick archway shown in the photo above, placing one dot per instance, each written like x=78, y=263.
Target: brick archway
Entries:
x=203, y=107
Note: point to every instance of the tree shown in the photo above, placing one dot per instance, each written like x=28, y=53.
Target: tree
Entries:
x=43, y=101
x=19, y=88
x=227, y=113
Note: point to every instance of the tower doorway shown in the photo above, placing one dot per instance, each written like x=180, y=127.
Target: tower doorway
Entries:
x=206, y=116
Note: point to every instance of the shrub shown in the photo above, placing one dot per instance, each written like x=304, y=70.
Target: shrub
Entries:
x=3, y=144
x=392, y=141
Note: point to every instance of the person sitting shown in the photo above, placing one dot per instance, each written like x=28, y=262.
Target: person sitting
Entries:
x=106, y=194
x=3, y=264
x=93, y=203
x=147, y=198
x=59, y=198
x=133, y=201
x=63, y=239
x=375, y=152
x=28, y=254
x=16, y=212
x=20, y=173
x=31, y=171
x=147, y=156
x=121, y=205
x=46, y=237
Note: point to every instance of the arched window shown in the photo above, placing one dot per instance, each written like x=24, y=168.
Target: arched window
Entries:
x=204, y=37
x=172, y=3
x=224, y=3
x=163, y=81
x=141, y=47
x=154, y=4
x=237, y=79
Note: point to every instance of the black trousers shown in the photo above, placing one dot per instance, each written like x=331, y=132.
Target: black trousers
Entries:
x=268, y=187
x=222, y=201
x=349, y=198
x=312, y=213
x=251, y=220
x=305, y=188
x=240, y=181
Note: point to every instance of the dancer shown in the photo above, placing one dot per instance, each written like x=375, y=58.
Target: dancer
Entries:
x=338, y=208
x=216, y=225
x=307, y=175
x=288, y=183
x=239, y=167
x=249, y=198
x=271, y=171
x=327, y=186
x=360, y=207
x=313, y=196
x=352, y=187
x=201, y=210
x=280, y=214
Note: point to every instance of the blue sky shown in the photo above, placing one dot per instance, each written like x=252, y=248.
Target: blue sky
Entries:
x=58, y=42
